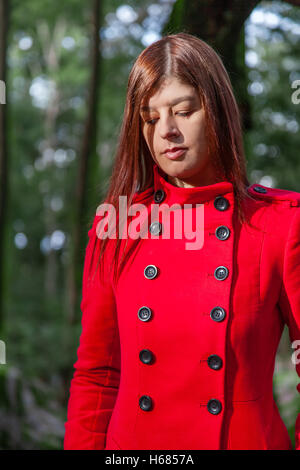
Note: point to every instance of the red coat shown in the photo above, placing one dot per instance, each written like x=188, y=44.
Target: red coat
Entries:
x=180, y=355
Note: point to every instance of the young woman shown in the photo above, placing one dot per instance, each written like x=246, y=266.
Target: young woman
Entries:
x=185, y=301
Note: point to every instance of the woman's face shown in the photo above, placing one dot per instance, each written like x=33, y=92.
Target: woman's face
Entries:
x=174, y=117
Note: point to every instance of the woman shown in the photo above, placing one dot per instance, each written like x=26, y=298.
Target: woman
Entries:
x=179, y=340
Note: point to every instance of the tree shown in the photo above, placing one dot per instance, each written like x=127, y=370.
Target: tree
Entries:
x=86, y=164
x=220, y=24
x=4, y=25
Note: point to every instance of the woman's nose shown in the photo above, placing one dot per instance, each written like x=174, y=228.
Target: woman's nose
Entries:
x=168, y=128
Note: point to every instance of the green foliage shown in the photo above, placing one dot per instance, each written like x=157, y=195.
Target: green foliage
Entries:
x=44, y=141
x=174, y=25
x=272, y=143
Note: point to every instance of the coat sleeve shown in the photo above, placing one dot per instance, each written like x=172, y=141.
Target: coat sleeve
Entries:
x=289, y=302
x=95, y=382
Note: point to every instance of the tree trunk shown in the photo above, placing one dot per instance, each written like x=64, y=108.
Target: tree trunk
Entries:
x=50, y=46
x=220, y=24
x=87, y=153
x=4, y=20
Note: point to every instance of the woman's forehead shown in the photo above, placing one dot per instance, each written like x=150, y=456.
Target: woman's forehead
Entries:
x=169, y=96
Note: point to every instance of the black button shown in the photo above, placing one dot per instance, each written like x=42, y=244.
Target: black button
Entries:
x=145, y=403
x=214, y=362
x=155, y=228
x=221, y=203
x=144, y=313
x=159, y=195
x=217, y=314
x=259, y=189
x=221, y=272
x=222, y=232
x=150, y=272
x=214, y=406
x=146, y=356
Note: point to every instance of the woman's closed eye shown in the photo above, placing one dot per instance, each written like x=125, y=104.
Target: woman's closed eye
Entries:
x=183, y=114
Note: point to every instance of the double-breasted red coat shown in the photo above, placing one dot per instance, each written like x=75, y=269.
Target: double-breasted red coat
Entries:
x=179, y=353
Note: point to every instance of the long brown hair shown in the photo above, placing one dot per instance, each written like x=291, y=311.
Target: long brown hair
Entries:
x=192, y=62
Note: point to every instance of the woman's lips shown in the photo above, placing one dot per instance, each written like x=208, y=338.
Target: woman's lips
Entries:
x=175, y=154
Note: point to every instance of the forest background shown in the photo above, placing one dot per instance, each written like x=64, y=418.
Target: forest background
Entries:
x=65, y=67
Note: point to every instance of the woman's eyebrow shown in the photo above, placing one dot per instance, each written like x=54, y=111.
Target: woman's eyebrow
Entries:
x=172, y=103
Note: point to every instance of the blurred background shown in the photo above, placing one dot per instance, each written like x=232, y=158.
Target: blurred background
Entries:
x=65, y=67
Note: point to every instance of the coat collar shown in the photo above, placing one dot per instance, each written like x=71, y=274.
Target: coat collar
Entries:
x=196, y=195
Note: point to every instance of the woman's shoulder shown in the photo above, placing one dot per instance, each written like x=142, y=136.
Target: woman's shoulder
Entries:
x=274, y=195
x=278, y=210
